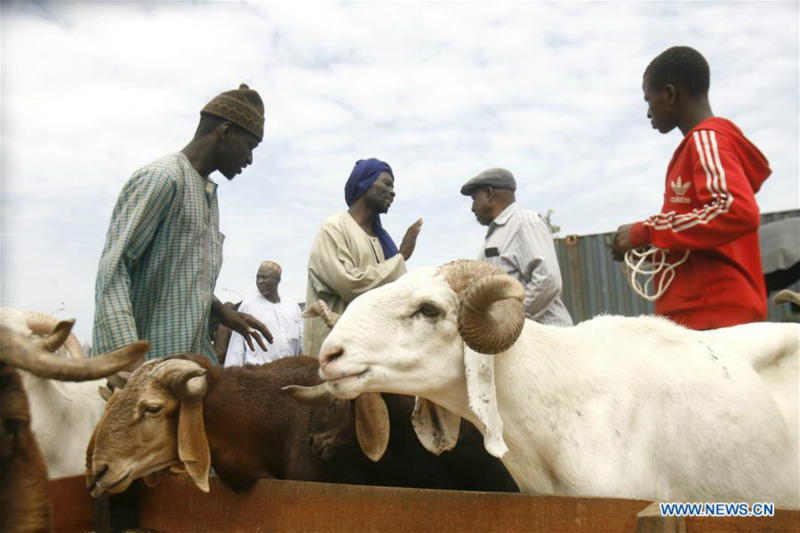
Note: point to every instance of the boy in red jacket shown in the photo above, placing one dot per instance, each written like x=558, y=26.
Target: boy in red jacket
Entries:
x=709, y=206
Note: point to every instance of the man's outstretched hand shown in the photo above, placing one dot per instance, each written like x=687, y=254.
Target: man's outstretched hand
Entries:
x=245, y=325
x=410, y=240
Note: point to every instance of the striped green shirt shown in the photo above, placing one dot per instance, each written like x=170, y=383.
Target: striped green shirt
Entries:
x=162, y=256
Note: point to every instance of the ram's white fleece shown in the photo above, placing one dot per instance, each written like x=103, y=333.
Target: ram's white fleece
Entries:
x=615, y=406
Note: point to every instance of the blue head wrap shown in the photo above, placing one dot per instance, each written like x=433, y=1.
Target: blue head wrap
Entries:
x=361, y=178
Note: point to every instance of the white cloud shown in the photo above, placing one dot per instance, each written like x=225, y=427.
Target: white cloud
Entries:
x=93, y=90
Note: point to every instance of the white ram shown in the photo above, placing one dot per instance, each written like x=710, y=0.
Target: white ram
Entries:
x=615, y=406
x=64, y=414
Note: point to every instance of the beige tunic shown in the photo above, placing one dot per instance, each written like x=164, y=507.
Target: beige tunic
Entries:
x=344, y=263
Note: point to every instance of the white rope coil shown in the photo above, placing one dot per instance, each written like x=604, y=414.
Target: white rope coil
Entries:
x=647, y=263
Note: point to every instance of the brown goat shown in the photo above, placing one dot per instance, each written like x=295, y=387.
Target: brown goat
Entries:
x=183, y=412
x=24, y=491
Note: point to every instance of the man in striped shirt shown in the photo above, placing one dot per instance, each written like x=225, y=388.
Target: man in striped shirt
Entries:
x=163, y=250
x=709, y=215
x=520, y=242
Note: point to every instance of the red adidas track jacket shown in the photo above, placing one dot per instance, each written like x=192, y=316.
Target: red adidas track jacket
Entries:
x=710, y=209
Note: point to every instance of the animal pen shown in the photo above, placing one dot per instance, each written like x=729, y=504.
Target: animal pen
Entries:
x=177, y=506
x=592, y=285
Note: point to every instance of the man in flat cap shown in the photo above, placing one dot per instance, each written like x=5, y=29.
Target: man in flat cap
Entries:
x=352, y=252
x=282, y=316
x=520, y=242
x=163, y=250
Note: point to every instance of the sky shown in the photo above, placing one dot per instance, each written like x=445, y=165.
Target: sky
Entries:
x=90, y=91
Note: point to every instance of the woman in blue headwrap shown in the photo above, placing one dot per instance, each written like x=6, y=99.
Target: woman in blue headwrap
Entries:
x=352, y=252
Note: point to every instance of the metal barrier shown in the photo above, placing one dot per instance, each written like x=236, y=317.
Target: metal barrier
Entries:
x=594, y=284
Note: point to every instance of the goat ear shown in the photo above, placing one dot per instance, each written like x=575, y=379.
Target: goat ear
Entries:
x=105, y=392
x=479, y=369
x=436, y=427
x=193, y=449
x=372, y=424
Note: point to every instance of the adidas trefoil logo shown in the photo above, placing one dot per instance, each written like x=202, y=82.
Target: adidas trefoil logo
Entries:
x=680, y=188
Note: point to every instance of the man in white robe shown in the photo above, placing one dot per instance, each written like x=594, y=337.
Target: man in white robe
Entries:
x=281, y=315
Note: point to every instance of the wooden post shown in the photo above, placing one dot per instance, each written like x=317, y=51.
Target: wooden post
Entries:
x=117, y=513
x=650, y=520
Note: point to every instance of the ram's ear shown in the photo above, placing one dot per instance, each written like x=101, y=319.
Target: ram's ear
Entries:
x=193, y=450
x=479, y=369
x=436, y=427
x=372, y=424
x=105, y=393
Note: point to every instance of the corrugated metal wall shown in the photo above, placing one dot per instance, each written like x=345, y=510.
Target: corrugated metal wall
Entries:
x=595, y=284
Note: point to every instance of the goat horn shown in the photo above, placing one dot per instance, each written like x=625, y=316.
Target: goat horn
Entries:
x=42, y=324
x=316, y=396
x=320, y=309
x=491, y=315
x=786, y=296
x=186, y=378
x=17, y=351
x=118, y=380
x=55, y=336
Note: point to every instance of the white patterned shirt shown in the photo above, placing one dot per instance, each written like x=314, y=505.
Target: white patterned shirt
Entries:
x=519, y=241
x=284, y=320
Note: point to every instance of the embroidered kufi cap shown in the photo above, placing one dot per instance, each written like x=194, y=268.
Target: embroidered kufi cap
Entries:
x=272, y=265
x=242, y=107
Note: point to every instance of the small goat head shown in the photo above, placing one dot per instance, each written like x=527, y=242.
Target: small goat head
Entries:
x=154, y=423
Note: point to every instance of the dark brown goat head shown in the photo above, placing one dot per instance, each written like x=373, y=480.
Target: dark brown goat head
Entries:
x=334, y=422
x=15, y=415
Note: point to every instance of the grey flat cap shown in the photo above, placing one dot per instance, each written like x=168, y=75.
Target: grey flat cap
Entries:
x=499, y=178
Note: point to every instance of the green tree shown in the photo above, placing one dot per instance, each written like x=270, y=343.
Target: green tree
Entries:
x=554, y=228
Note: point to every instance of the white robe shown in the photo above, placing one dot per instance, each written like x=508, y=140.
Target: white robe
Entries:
x=284, y=320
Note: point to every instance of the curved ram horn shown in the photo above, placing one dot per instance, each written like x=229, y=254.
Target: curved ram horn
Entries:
x=42, y=324
x=786, y=296
x=491, y=315
x=186, y=378
x=316, y=396
x=320, y=309
x=20, y=352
